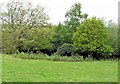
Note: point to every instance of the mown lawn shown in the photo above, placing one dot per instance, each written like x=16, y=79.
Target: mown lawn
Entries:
x=0, y=68
x=21, y=70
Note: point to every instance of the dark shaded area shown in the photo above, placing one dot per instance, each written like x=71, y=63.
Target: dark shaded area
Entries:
x=42, y=51
x=84, y=54
x=67, y=54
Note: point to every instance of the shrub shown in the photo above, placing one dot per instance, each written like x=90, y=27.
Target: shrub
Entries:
x=65, y=50
x=65, y=58
x=23, y=55
x=56, y=58
x=76, y=58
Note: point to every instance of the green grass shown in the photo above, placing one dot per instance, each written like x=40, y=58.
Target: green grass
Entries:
x=23, y=70
x=0, y=68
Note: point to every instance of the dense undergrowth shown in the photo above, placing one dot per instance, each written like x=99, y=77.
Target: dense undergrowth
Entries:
x=54, y=57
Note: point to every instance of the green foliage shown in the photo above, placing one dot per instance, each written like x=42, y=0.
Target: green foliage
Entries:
x=75, y=13
x=65, y=50
x=9, y=41
x=113, y=36
x=23, y=55
x=33, y=39
x=65, y=31
x=30, y=33
x=39, y=38
x=25, y=29
x=74, y=18
x=0, y=40
x=91, y=36
x=20, y=13
x=60, y=36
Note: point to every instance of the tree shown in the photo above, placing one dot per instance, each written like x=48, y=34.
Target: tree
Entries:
x=1, y=44
x=113, y=37
x=65, y=50
x=65, y=31
x=38, y=39
x=23, y=14
x=60, y=36
x=91, y=37
x=74, y=18
x=19, y=18
x=9, y=41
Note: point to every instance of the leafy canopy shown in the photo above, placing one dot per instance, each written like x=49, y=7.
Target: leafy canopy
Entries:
x=91, y=36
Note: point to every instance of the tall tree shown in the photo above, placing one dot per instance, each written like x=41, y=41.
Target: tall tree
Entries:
x=60, y=36
x=113, y=36
x=24, y=14
x=19, y=17
x=65, y=31
x=91, y=36
x=74, y=17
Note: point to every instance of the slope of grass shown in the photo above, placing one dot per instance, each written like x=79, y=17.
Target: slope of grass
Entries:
x=0, y=68
x=21, y=70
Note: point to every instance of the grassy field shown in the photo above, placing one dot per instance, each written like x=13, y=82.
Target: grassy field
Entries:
x=0, y=68
x=21, y=70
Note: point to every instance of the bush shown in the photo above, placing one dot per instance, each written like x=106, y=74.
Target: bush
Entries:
x=51, y=58
x=56, y=58
x=65, y=58
x=65, y=50
x=23, y=55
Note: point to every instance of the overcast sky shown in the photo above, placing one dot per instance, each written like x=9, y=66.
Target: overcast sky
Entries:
x=100, y=8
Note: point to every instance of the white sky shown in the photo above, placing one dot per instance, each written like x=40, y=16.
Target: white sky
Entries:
x=57, y=8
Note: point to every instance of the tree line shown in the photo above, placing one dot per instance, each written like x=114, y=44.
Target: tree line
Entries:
x=25, y=29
